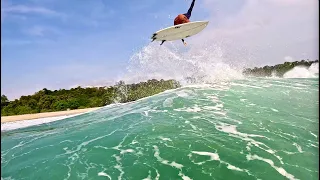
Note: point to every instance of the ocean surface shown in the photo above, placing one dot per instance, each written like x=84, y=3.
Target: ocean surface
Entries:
x=251, y=128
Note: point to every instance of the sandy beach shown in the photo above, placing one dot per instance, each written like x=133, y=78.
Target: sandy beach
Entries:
x=44, y=115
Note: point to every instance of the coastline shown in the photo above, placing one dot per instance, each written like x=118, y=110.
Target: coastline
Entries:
x=5, y=119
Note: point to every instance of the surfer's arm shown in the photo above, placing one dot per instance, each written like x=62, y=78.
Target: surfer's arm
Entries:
x=188, y=14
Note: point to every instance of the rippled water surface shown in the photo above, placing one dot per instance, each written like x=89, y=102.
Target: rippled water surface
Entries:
x=244, y=129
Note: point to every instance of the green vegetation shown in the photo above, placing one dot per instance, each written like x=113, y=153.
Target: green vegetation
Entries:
x=277, y=70
x=77, y=98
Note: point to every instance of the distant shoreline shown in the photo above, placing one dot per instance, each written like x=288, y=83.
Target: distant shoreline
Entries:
x=5, y=119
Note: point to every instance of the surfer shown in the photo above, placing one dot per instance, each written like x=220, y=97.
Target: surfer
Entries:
x=180, y=19
x=184, y=18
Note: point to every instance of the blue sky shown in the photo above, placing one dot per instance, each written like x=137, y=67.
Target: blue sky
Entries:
x=59, y=44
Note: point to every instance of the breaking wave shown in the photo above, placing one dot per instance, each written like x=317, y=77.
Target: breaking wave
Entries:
x=303, y=72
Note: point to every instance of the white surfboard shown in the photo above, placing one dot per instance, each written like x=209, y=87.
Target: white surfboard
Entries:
x=180, y=31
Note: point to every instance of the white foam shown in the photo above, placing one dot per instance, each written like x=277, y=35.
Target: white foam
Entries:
x=176, y=165
x=248, y=147
x=214, y=99
x=164, y=139
x=104, y=174
x=89, y=141
x=149, y=176
x=287, y=152
x=313, y=145
x=184, y=177
x=314, y=68
x=168, y=102
x=246, y=85
x=270, y=162
x=134, y=142
x=172, y=164
x=192, y=109
x=213, y=156
x=193, y=127
x=27, y=123
x=217, y=107
x=313, y=134
x=275, y=110
x=301, y=72
x=289, y=135
x=231, y=129
x=298, y=147
x=146, y=113
x=7, y=126
x=158, y=175
x=182, y=93
x=234, y=168
x=126, y=151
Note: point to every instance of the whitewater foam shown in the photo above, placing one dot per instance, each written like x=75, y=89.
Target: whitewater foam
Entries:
x=27, y=123
x=303, y=72
x=270, y=162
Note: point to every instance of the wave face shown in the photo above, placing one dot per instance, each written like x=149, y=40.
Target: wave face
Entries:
x=254, y=128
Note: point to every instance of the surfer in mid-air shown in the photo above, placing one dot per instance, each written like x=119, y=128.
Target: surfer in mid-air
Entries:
x=184, y=18
x=180, y=19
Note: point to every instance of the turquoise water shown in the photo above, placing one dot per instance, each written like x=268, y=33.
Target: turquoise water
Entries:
x=246, y=129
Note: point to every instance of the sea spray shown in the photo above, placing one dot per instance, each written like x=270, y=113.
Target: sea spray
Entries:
x=199, y=64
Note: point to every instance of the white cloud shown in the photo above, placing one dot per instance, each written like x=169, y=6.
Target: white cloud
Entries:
x=7, y=9
x=36, y=31
x=288, y=59
x=29, y=9
x=268, y=29
x=42, y=31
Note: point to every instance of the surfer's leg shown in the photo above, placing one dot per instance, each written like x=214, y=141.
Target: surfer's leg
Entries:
x=188, y=14
x=162, y=42
x=184, y=42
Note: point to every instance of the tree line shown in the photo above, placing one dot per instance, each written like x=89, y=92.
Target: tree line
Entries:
x=278, y=70
x=78, y=98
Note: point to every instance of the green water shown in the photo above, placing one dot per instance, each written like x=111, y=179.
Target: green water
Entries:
x=248, y=129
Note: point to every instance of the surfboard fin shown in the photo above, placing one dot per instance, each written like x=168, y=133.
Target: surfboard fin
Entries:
x=162, y=42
